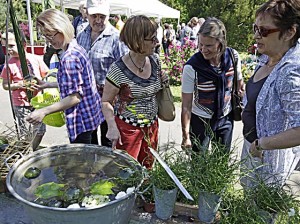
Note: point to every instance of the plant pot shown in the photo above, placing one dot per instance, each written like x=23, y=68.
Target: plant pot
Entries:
x=149, y=206
x=267, y=217
x=164, y=202
x=209, y=204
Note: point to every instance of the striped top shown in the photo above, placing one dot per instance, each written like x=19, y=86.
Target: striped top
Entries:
x=142, y=110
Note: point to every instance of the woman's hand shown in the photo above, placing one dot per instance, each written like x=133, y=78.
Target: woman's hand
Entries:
x=254, y=152
x=36, y=116
x=113, y=134
x=186, y=143
x=164, y=78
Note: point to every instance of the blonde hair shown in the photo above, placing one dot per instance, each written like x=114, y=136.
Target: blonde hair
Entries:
x=135, y=30
x=53, y=20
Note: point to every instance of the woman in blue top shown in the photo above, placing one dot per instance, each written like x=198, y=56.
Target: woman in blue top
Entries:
x=272, y=115
x=79, y=96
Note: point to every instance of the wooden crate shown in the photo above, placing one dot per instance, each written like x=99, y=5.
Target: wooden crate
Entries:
x=17, y=145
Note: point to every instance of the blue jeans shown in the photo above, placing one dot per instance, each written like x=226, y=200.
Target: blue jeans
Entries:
x=202, y=132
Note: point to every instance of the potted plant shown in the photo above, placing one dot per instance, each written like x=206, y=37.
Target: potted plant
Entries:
x=147, y=197
x=271, y=199
x=164, y=188
x=212, y=170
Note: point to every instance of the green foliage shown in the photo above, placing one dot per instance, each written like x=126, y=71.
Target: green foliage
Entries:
x=237, y=15
x=49, y=190
x=177, y=163
x=249, y=63
x=102, y=187
x=272, y=198
x=212, y=170
x=255, y=205
x=175, y=61
x=176, y=91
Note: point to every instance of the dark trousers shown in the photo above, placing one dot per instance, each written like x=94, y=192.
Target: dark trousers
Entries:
x=85, y=138
x=166, y=45
x=104, y=140
x=202, y=132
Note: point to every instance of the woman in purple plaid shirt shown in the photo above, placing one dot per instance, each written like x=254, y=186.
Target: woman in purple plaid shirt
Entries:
x=79, y=96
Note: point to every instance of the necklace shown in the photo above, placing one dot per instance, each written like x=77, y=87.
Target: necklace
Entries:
x=141, y=69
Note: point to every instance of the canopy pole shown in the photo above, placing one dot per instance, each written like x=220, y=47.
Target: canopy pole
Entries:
x=30, y=26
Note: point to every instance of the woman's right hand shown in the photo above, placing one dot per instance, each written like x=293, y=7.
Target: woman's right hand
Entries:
x=186, y=143
x=113, y=134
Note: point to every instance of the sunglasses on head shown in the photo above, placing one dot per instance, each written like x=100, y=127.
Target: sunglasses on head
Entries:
x=263, y=32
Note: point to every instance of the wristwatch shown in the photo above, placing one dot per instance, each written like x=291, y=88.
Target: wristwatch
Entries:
x=257, y=145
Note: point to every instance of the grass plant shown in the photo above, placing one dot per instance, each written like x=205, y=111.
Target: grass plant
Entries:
x=177, y=163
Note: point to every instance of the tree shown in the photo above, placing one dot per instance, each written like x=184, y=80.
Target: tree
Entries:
x=237, y=15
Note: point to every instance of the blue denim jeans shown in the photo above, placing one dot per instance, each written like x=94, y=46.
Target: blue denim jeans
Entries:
x=202, y=132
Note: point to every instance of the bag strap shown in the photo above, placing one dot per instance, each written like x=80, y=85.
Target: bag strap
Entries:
x=234, y=61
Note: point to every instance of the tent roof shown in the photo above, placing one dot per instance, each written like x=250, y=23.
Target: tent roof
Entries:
x=150, y=8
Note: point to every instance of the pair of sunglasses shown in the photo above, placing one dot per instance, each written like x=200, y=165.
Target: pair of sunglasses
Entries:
x=263, y=32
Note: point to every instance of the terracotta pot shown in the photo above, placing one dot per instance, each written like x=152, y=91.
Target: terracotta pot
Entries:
x=149, y=207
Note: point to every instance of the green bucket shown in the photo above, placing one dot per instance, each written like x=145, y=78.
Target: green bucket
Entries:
x=56, y=119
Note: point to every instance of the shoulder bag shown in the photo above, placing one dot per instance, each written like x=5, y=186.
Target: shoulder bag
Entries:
x=165, y=100
x=237, y=101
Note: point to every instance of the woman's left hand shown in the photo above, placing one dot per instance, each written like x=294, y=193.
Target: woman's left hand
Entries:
x=164, y=77
x=36, y=116
x=254, y=152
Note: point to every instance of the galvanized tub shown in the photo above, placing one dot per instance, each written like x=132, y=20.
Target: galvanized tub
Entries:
x=76, y=162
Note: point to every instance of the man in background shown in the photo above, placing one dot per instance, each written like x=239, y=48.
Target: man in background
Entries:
x=101, y=40
x=80, y=22
x=160, y=34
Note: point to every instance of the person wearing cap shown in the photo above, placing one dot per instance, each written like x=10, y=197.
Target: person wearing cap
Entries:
x=80, y=22
x=80, y=99
x=101, y=40
x=13, y=79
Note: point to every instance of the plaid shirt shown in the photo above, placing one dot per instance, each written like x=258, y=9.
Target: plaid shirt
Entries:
x=105, y=50
x=75, y=75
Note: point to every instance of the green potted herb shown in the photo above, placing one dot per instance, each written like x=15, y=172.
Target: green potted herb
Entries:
x=211, y=172
x=164, y=188
x=272, y=200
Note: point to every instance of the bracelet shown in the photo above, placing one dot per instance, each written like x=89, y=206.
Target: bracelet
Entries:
x=257, y=145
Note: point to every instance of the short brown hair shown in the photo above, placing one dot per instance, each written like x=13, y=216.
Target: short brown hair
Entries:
x=135, y=30
x=285, y=14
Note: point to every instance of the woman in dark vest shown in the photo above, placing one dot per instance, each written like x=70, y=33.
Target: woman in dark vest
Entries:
x=207, y=83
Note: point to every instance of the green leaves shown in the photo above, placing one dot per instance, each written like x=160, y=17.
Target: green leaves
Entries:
x=102, y=187
x=49, y=190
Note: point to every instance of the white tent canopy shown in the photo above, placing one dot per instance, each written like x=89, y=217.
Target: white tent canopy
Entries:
x=151, y=8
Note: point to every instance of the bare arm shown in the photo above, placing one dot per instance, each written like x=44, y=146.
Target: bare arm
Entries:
x=109, y=93
x=38, y=115
x=13, y=86
x=286, y=139
x=186, y=118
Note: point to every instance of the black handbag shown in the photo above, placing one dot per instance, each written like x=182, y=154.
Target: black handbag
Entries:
x=237, y=101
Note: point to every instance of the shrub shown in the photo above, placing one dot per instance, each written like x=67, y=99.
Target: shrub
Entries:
x=178, y=56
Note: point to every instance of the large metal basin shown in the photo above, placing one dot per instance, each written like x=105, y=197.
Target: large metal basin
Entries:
x=71, y=163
